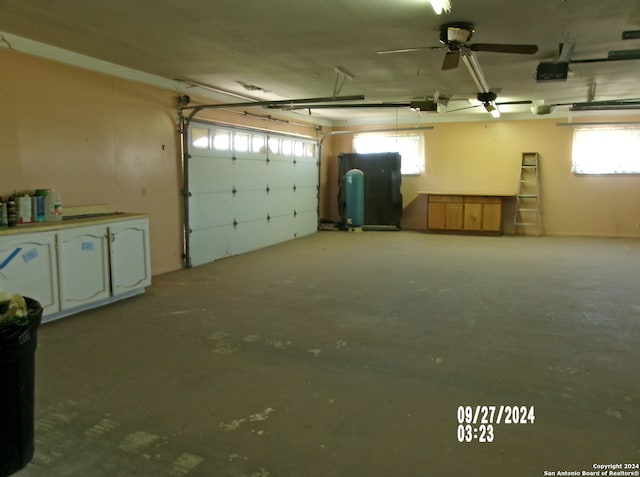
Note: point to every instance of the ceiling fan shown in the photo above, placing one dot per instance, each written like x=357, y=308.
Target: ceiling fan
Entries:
x=488, y=101
x=455, y=37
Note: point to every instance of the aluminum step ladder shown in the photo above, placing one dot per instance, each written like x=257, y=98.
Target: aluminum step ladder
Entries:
x=527, y=211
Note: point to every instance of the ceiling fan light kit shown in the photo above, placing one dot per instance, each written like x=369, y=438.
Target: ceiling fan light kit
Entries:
x=456, y=32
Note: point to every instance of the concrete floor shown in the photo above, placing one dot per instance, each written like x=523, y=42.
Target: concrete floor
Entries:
x=347, y=354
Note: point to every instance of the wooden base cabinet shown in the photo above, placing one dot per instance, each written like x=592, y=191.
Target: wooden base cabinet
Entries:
x=464, y=213
x=446, y=212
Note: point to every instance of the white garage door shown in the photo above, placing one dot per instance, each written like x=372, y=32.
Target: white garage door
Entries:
x=248, y=189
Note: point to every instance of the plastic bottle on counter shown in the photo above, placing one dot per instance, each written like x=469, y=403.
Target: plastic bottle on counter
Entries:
x=12, y=212
x=3, y=213
x=24, y=208
x=52, y=206
x=37, y=208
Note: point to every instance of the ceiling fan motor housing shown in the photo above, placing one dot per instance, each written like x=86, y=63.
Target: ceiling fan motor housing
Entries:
x=456, y=32
x=486, y=97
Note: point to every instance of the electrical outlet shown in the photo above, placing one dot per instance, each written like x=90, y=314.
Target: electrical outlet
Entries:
x=145, y=192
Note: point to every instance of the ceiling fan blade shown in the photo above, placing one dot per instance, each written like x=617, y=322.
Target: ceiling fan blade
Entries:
x=504, y=48
x=507, y=103
x=466, y=107
x=451, y=60
x=504, y=103
x=408, y=50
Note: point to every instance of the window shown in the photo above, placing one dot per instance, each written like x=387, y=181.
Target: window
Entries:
x=410, y=147
x=287, y=147
x=240, y=142
x=200, y=137
x=257, y=143
x=222, y=140
x=309, y=150
x=274, y=145
x=606, y=150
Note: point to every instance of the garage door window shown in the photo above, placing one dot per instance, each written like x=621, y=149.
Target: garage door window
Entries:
x=222, y=140
x=241, y=142
x=200, y=138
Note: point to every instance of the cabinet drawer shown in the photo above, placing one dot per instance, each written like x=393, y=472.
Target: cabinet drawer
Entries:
x=481, y=200
x=446, y=198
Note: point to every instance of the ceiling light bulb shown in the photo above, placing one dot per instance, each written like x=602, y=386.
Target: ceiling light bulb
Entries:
x=492, y=108
x=440, y=6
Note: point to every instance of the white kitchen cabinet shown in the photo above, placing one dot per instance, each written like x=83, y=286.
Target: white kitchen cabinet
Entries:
x=29, y=266
x=83, y=265
x=130, y=261
x=77, y=264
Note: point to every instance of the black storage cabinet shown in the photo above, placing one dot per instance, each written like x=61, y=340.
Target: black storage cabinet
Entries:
x=382, y=183
x=17, y=382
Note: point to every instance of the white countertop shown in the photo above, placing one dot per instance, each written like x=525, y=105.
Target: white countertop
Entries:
x=481, y=193
x=69, y=223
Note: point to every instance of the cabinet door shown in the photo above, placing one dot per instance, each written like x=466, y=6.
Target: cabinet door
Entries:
x=436, y=218
x=28, y=266
x=454, y=216
x=130, y=258
x=492, y=216
x=83, y=262
x=472, y=216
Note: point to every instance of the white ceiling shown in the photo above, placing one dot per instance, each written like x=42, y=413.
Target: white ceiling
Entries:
x=291, y=48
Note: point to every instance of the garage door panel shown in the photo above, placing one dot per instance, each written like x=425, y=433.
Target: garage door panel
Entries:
x=281, y=202
x=210, y=244
x=306, y=223
x=300, y=178
x=250, y=205
x=241, y=201
x=209, y=174
x=278, y=174
x=248, y=174
x=250, y=236
x=307, y=200
x=206, y=210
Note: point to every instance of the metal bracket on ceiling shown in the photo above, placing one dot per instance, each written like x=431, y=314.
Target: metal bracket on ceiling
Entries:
x=591, y=92
x=342, y=76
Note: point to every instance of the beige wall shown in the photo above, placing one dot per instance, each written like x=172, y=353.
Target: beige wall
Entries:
x=98, y=139
x=484, y=158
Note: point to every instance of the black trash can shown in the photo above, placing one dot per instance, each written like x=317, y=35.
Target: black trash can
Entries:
x=17, y=378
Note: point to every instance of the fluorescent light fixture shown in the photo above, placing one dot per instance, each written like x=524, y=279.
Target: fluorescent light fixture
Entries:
x=440, y=6
x=471, y=62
